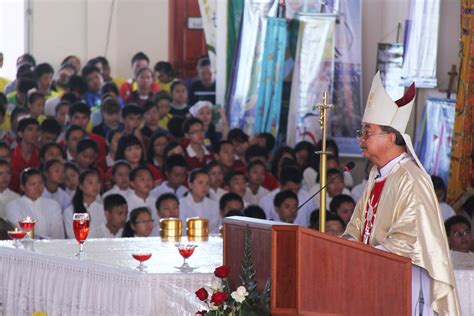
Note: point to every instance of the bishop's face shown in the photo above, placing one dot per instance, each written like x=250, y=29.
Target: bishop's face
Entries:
x=373, y=142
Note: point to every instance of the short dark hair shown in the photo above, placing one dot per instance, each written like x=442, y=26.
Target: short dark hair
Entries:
x=140, y=56
x=43, y=69
x=110, y=105
x=255, y=151
x=131, y=109
x=238, y=135
x=119, y=163
x=86, y=143
x=189, y=122
x=254, y=211
x=133, y=174
x=48, y=164
x=281, y=196
x=227, y=197
x=164, y=197
x=290, y=174
x=77, y=84
x=453, y=220
x=254, y=163
x=233, y=173
x=3, y=162
x=61, y=104
x=219, y=145
x=113, y=200
x=27, y=58
x=32, y=97
x=73, y=128
x=203, y=62
x=79, y=107
x=28, y=172
x=163, y=66
x=438, y=183
x=334, y=172
x=24, y=123
x=175, y=126
x=399, y=141
x=149, y=104
x=89, y=69
x=314, y=219
x=338, y=200
x=47, y=146
x=26, y=84
x=175, y=161
x=162, y=95
x=109, y=87
x=176, y=83
x=50, y=125
x=193, y=175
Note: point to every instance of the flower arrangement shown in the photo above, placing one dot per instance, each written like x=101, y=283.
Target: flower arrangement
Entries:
x=245, y=300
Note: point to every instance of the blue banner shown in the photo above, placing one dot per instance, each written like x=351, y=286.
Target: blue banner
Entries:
x=435, y=132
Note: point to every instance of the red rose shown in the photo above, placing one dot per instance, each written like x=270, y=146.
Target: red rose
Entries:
x=222, y=272
x=218, y=298
x=202, y=294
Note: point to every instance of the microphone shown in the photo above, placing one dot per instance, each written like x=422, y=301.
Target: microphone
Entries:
x=346, y=168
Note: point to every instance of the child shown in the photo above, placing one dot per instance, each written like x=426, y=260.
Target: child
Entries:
x=335, y=186
x=49, y=131
x=132, y=117
x=144, y=91
x=130, y=148
x=141, y=183
x=286, y=204
x=440, y=190
x=179, y=93
x=225, y=154
x=44, y=76
x=61, y=116
x=290, y=179
x=196, y=154
x=51, y=151
x=5, y=152
x=47, y=212
x=230, y=202
x=256, y=176
x=167, y=206
x=197, y=204
x=71, y=179
x=120, y=179
x=94, y=81
x=175, y=171
x=110, y=113
x=74, y=133
x=240, y=141
x=6, y=195
x=236, y=182
x=156, y=147
x=254, y=211
x=164, y=74
x=86, y=153
x=343, y=206
x=26, y=153
x=204, y=88
x=216, y=180
x=35, y=106
x=203, y=111
x=54, y=175
x=334, y=224
x=140, y=223
x=112, y=140
x=115, y=212
x=139, y=60
x=86, y=200
x=150, y=119
x=162, y=102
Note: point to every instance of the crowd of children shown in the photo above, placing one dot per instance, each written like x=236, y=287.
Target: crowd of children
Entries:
x=130, y=153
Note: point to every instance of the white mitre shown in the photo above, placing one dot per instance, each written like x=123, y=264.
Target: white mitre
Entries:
x=382, y=110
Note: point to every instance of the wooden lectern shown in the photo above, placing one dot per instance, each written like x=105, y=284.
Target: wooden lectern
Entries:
x=317, y=274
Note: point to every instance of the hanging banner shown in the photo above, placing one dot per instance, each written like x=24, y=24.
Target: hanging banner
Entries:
x=461, y=175
x=208, y=16
x=389, y=64
x=421, y=47
x=268, y=108
x=434, y=136
x=313, y=74
x=245, y=82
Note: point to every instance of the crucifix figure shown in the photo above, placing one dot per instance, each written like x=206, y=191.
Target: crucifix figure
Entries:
x=452, y=77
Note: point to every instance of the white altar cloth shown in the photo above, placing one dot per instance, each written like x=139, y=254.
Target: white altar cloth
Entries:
x=49, y=279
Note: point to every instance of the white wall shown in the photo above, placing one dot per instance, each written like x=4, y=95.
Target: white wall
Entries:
x=79, y=27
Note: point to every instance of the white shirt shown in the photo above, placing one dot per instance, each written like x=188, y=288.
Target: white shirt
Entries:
x=310, y=177
x=116, y=190
x=302, y=218
x=47, y=213
x=109, y=160
x=102, y=231
x=216, y=195
x=5, y=197
x=207, y=208
x=358, y=190
x=50, y=106
x=134, y=201
x=60, y=196
x=165, y=188
x=191, y=153
x=254, y=199
x=96, y=216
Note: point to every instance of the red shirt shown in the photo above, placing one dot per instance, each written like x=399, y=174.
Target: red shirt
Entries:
x=100, y=141
x=18, y=164
x=129, y=86
x=270, y=183
x=193, y=161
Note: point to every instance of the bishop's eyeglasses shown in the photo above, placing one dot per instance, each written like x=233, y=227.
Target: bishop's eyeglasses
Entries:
x=364, y=134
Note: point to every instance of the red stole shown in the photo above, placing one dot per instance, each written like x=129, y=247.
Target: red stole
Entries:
x=371, y=210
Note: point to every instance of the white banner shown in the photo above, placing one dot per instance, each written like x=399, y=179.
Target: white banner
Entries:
x=313, y=74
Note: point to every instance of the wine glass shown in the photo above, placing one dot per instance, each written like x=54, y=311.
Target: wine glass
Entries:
x=80, y=225
x=185, y=250
x=141, y=257
x=16, y=235
x=27, y=224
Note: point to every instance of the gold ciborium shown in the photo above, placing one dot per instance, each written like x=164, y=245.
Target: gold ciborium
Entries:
x=197, y=228
x=171, y=227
